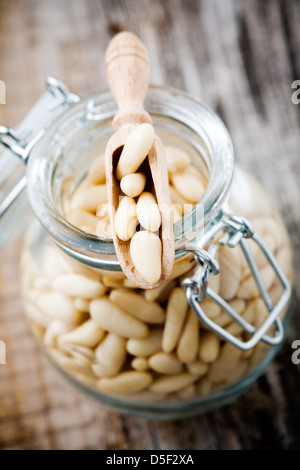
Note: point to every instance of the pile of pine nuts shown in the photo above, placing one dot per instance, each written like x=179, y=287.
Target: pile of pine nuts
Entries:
x=149, y=346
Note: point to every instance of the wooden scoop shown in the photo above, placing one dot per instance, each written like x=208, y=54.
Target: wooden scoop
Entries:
x=127, y=71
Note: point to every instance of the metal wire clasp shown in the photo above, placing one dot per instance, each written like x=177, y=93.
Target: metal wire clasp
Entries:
x=236, y=230
x=58, y=98
x=17, y=145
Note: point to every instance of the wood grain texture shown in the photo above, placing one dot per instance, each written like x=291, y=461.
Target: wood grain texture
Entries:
x=241, y=59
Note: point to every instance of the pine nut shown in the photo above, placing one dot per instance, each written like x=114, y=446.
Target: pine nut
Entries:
x=145, y=251
x=175, y=315
x=147, y=346
x=140, y=363
x=172, y=383
x=147, y=397
x=88, y=229
x=230, y=272
x=110, y=355
x=87, y=378
x=177, y=159
x=165, y=363
x=248, y=315
x=133, y=185
x=52, y=263
x=89, y=198
x=71, y=265
x=128, y=284
x=238, y=372
x=36, y=316
x=83, y=305
x=103, y=211
x=238, y=305
x=161, y=293
x=248, y=287
x=135, y=150
x=276, y=291
x=182, y=266
x=88, y=334
x=225, y=364
x=187, y=394
x=80, y=218
x=115, y=320
x=125, y=383
x=83, y=355
x=284, y=258
x=96, y=174
x=112, y=282
x=56, y=328
x=138, y=306
x=42, y=283
x=77, y=285
x=60, y=306
x=70, y=364
x=203, y=387
x=223, y=319
x=187, y=348
x=210, y=308
x=198, y=368
x=125, y=218
x=209, y=348
x=188, y=185
x=148, y=212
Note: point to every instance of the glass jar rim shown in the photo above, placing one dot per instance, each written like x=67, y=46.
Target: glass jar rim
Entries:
x=178, y=106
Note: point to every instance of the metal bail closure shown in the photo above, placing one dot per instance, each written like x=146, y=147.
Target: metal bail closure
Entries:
x=51, y=104
x=236, y=230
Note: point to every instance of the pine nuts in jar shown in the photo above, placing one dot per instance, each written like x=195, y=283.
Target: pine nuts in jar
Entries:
x=139, y=350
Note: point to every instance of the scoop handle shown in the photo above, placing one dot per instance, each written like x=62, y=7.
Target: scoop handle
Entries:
x=127, y=72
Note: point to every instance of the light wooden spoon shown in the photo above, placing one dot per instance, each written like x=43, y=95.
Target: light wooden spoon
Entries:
x=127, y=71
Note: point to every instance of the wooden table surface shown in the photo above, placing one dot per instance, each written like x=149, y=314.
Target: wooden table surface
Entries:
x=241, y=59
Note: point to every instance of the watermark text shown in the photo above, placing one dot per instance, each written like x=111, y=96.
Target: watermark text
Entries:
x=296, y=354
x=2, y=92
x=2, y=353
x=296, y=94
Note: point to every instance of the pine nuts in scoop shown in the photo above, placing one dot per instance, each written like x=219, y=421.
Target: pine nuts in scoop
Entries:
x=145, y=210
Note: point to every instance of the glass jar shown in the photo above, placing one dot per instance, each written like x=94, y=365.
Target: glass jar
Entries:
x=139, y=375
